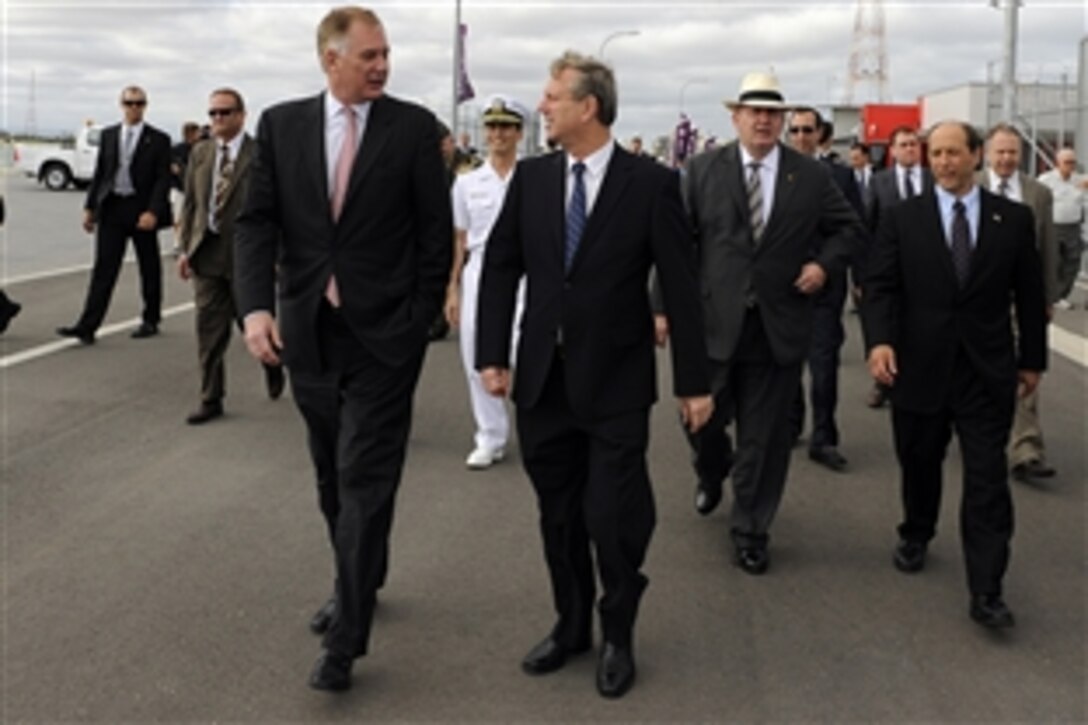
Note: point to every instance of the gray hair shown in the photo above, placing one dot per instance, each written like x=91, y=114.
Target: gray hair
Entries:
x=594, y=79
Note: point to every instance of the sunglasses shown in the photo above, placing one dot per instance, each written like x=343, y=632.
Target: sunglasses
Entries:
x=213, y=112
x=802, y=129
x=134, y=102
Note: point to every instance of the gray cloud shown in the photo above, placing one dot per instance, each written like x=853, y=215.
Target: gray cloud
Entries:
x=82, y=53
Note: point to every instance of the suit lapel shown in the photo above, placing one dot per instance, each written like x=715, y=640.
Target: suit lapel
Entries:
x=312, y=129
x=989, y=221
x=377, y=132
x=616, y=177
x=735, y=181
x=933, y=233
x=555, y=187
x=245, y=153
x=783, y=192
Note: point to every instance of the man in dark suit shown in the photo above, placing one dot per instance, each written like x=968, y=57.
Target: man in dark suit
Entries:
x=904, y=179
x=128, y=197
x=216, y=179
x=584, y=226
x=758, y=207
x=9, y=308
x=362, y=243
x=828, y=334
x=936, y=313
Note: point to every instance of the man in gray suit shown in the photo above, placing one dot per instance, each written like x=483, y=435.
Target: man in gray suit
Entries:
x=215, y=186
x=757, y=206
x=1027, y=451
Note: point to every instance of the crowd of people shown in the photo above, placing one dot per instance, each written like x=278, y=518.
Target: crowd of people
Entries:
x=351, y=223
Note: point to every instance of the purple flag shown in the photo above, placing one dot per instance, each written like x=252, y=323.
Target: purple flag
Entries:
x=465, y=90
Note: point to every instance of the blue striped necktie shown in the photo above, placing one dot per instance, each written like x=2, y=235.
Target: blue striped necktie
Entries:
x=576, y=215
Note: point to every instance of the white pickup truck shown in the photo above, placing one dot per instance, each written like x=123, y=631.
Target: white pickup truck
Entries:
x=59, y=164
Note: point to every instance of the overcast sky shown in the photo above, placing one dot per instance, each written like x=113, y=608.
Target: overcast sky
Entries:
x=82, y=52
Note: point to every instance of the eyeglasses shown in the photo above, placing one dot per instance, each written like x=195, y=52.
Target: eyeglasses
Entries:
x=213, y=112
x=134, y=102
x=802, y=129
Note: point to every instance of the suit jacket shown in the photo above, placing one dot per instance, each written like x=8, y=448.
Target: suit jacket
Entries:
x=390, y=249
x=599, y=309
x=913, y=301
x=884, y=191
x=810, y=221
x=214, y=257
x=1041, y=201
x=150, y=172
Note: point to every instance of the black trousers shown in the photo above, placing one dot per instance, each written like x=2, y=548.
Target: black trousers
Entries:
x=117, y=224
x=592, y=486
x=986, y=516
x=828, y=336
x=757, y=392
x=358, y=413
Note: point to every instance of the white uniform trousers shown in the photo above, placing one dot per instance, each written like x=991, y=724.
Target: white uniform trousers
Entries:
x=492, y=420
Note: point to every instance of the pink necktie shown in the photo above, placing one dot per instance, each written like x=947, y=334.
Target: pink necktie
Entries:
x=341, y=178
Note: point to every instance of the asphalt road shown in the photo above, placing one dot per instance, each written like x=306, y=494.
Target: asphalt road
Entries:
x=153, y=571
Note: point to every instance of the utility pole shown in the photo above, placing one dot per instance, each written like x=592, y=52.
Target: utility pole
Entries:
x=1008, y=74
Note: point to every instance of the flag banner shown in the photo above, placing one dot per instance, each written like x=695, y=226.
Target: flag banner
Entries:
x=465, y=91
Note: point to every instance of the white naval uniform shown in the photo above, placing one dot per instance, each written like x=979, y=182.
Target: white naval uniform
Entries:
x=477, y=201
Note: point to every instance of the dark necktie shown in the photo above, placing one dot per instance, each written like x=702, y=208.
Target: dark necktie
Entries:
x=961, y=243
x=755, y=201
x=1003, y=188
x=576, y=215
x=908, y=185
x=226, y=169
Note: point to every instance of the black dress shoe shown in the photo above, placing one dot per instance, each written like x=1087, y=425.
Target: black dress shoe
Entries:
x=146, y=329
x=274, y=380
x=707, y=497
x=615, y=670
x=828, y=456
x=1026, y=472
x=549, y=655
x=753, y=560
x=322, y=619
x=990, y=610
x=208, y=410
x=910, y=556
x=8, y=313
x=84, y=336
x=332, y=672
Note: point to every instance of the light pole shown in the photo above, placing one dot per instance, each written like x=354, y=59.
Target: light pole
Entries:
x=613, y=36
x=684, y=88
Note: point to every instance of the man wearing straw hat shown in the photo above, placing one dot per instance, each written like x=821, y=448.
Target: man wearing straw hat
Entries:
x=772, y=226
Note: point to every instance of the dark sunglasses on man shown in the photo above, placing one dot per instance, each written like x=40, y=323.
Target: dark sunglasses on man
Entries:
x=802, y=129
x=224, y=112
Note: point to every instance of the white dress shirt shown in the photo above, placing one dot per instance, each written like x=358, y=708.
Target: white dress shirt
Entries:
x=1069, y=198
x=915, y=179
x=1015, y=192
x=596, y=166
x=335, y=125
x=768, y=173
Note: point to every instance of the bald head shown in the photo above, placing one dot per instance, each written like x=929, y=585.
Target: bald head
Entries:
x=1066, y=162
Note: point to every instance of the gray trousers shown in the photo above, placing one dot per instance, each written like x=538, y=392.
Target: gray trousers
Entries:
x=1070, y=248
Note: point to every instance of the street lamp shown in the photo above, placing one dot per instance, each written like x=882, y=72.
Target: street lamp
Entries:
x=684, y=87
x=613, y=36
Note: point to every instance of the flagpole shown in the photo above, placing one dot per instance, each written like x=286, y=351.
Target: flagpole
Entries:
x=456, y=66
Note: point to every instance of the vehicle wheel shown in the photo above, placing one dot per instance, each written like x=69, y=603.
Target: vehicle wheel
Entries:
x=56, y=177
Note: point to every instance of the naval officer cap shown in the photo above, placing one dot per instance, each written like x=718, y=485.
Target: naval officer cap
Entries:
x=505, y=110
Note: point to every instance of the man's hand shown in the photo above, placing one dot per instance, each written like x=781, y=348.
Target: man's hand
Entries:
x=811, y=279
x=147, y=221
x=496, y=381
x=695, y=412
x=1029, y=381
x=88, y=221
x=263, y=337
x=661, y=330
x=882, y=364
x=184, y=270
x=452, y=309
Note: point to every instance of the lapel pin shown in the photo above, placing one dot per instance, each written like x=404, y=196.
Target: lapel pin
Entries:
x=789, y=178
x=997, y=218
